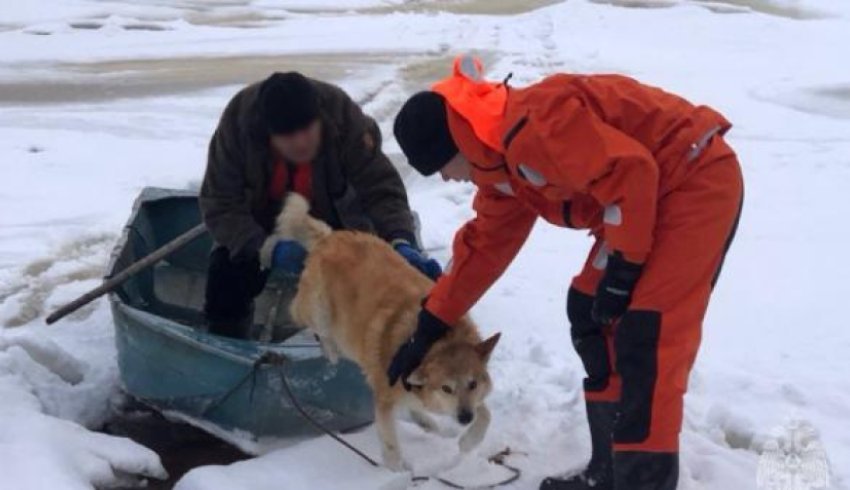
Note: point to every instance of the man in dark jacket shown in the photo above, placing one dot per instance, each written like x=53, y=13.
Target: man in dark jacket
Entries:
x=290, y=133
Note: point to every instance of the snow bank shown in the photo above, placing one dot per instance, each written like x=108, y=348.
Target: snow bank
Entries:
x=40, y=450
x=323, y=463
x=306, y=465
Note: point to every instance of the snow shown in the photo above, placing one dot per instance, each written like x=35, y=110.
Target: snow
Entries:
x=349, y=472
x=101, y=98
x=48, y=394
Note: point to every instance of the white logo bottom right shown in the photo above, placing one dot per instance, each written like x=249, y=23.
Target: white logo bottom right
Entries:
x=794, y=460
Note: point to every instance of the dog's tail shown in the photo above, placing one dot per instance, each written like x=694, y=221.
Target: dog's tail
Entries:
x=295, y=223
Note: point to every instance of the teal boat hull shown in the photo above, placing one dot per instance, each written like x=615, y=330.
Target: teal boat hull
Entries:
x=167, y=360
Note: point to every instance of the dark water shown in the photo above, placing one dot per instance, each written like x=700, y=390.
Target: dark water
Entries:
x=180, y=446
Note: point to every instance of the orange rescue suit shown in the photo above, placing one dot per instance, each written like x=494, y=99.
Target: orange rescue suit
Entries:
x=645, y=170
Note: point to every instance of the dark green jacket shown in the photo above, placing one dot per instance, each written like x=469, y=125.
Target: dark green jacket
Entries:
x=354, y=184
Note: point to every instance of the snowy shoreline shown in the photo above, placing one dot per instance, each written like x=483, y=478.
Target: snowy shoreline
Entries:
x=90, y=115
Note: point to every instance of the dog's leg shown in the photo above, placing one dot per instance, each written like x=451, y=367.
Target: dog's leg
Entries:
x=329, y=348
x=476, y=431
x=322, y=328
x=385, y=423
x=423, y=420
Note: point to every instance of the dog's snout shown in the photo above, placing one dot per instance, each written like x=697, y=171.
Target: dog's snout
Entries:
x=464, y=416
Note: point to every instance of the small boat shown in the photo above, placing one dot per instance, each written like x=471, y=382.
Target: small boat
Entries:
x=168, y=360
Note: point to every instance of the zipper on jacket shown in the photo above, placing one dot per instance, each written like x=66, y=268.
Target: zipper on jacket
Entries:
x=512, y=133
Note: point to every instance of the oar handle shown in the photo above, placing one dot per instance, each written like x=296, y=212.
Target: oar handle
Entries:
x=113, y=282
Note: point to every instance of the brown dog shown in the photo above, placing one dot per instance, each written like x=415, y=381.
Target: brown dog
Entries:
x=362, y=299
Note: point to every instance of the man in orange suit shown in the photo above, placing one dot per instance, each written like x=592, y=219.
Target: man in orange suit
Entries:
x=653, y=179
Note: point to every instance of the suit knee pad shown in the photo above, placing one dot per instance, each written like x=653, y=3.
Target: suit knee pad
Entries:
x=636, y=348
x=588, y=341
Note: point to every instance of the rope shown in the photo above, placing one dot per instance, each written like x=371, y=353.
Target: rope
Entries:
x=227, y=394
x=281, y=363
x=278, y=360
x=497, y=459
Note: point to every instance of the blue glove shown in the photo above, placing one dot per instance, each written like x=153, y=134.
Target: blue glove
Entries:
x=429, y=267
x=288, y=256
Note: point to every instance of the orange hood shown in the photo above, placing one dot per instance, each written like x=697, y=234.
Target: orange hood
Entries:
x=476, y=110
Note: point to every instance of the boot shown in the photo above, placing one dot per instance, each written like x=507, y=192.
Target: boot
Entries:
x=599, y=473
x=634, y=470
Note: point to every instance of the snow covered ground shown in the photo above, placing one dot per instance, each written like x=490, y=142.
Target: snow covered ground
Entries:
x=101, y=98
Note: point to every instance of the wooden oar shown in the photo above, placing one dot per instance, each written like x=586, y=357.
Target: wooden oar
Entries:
x=113, y=282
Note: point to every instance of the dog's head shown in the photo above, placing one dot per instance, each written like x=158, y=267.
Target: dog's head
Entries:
x=453, y=378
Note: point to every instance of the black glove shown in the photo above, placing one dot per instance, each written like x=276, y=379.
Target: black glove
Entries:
x=429, y=329
x=614, y=292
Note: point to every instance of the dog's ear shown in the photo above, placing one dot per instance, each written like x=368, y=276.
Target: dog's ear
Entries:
x=416, y=379
x=485, y=348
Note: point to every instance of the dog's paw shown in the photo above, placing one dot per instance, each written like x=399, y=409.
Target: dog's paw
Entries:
x=332, y=356
x=470, y=440
x=425, y=422
x=477, y=430
x=393, y=461
x=329, y=349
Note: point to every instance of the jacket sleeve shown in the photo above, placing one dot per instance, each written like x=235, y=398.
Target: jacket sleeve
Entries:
x=225, y=206
x=483, y=248
x=578, y=151
x=374, y=178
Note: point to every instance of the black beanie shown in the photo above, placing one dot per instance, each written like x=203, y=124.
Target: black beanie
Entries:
x=288, y=102
x=422, y=130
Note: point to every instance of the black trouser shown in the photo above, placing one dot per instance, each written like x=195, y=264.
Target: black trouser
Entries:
x=232, y=285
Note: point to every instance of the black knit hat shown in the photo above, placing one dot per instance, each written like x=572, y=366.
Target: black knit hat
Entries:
x=288, y=102
x=422, y=130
